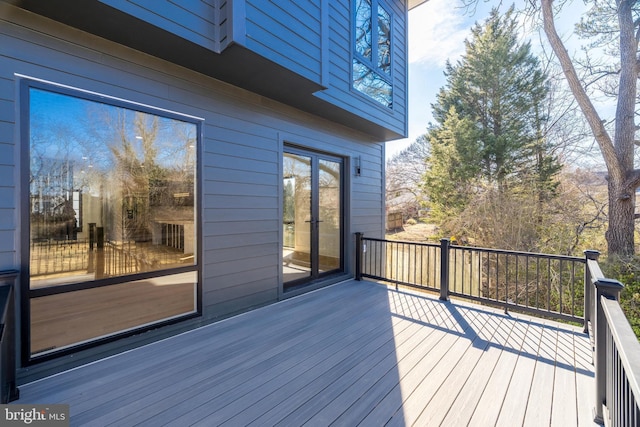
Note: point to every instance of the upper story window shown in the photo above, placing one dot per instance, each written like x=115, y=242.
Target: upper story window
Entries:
x=372, y=53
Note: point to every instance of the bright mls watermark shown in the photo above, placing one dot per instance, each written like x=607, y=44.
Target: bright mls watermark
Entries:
x=34, y=415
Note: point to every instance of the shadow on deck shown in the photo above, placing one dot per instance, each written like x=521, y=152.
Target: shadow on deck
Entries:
x=353, y=353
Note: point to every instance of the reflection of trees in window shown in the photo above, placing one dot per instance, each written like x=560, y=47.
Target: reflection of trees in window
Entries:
x=135, y=169
x=329, y=177
x=288, y=203
x=52, y=211
x=129, y=174
x=370, y=83
x=54, y=207
x=364, y=45
x=152, y=186
x=372, y=61
x=384, y=41
x=152, y=164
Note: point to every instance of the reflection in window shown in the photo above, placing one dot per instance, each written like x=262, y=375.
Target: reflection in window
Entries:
x=372, y=61
x=330, y=211
x=384, y=41
x=363, y=28
x=98, y=312
x=111, y=194
x=369, y=82
x=111, y=190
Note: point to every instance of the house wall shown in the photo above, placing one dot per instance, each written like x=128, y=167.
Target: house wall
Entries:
x=193, y=20
x=339, y=57
x=317, y=44
x=240, y=158
x=310, y=38
x=225, y=31
x=288, y=32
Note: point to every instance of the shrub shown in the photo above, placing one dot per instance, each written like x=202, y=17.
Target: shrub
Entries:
x=627, y=272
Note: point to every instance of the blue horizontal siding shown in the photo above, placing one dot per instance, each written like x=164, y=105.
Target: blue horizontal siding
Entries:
x=193, y=20
x=340, y=91
x=241, y=156
x=288, y=33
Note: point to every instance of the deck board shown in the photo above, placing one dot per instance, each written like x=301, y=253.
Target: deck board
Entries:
x=457, y=377
x=495, y=390
x=541, y=394
x=233, y=332
x=356, y=353
x=469, y=395
x=438, y=368
x=230, y=370
x=563, y=407
x=310, y=396
x=584, y=378
x=515, y=402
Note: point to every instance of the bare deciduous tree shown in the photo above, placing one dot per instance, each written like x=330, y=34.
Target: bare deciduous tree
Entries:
x=404, y=174
x=613, y=27
x=618, y=148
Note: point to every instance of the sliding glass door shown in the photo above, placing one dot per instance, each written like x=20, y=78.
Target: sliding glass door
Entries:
x=312, y=216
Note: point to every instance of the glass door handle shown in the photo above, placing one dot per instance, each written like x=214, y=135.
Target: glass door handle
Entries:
x=314, y=221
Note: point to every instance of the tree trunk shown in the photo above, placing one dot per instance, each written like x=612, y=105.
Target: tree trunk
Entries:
x=618, y=155
x=620, y=233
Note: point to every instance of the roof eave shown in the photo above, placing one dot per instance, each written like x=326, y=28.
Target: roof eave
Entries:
x=415, y=3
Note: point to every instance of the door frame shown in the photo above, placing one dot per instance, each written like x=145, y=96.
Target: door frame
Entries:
x=309, y=283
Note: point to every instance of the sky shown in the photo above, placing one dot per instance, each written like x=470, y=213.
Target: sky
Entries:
x=437, y=30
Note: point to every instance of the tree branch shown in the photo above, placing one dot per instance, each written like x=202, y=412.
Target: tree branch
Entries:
x=633, y=180
x=593, y=118
x=625, y=108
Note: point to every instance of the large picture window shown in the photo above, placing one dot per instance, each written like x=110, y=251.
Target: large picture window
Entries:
x=112, y=217
x=372, y=51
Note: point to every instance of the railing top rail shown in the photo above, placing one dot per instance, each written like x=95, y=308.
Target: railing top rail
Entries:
x=594, y=269
x=488, y=250
x=626, y=342
x=521, y=253
x=373, y=239
x=9, y=274
x=510, y=288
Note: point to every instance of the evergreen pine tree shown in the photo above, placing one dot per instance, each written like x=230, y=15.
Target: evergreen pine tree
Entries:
x=489, y=123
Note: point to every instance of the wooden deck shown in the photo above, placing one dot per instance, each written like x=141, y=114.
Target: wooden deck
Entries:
x=356, y=353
